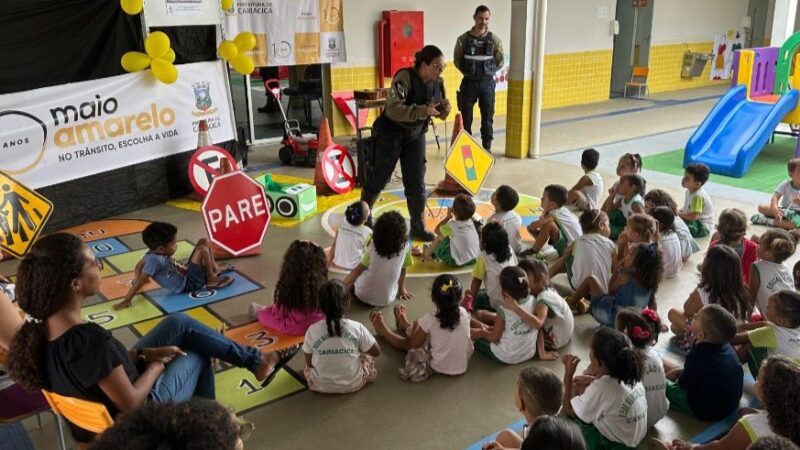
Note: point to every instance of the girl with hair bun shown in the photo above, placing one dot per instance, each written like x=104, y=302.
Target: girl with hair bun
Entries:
x=771, y=274
x=351, y=237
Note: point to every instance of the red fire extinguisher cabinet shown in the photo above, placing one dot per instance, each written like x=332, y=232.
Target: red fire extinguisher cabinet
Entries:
x=403, y=36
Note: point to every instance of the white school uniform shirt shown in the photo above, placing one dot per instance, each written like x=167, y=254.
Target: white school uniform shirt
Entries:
x=670, y=248
x=655, y=386
x=488, y=270
x=595, y=191
x=511, y=222
x=757, y=426
x=699, y=201
x=688, y=245
x=350, y=243
x=559, y=323
x=464, y=241
x=618, y=411
x=568, y=222
x=336, y=360
x=788, y=193
x=450, y=350
x=518, y=342
x=773, y=277
x=377, y=285
x=592, y=254
x=777, y=340
x=627, y=206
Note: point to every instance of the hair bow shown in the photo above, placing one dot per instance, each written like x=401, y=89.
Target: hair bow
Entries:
x=522, y=280
x=650, y=314
x=640, y=333
x=653, y=246
x=446, y=287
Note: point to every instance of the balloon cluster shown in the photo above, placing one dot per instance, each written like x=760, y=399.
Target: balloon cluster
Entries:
x=159, y=58
x=233, y=52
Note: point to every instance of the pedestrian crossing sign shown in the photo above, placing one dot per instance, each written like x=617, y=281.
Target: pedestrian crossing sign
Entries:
x=468, y=163
x=23, y=213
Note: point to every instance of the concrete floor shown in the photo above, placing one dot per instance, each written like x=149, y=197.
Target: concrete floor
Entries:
x=442, y=412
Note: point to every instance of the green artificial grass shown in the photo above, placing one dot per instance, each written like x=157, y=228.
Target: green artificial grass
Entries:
x=766, y=172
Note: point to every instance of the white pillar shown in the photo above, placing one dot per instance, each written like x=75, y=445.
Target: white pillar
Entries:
x=538, y=76
x=783, y=21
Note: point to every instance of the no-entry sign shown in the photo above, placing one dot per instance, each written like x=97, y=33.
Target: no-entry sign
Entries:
x=236, y=212
x=205, y=164
x=338, y=169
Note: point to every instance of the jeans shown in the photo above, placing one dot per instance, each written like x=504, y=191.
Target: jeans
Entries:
x=193, y=375
x=481, y=91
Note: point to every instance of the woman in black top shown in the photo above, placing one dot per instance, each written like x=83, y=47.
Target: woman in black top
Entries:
x=416, y=95
x=59, y=352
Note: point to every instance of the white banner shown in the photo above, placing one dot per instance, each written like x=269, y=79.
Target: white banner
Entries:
x=61, y=133
x=171, y=13
x=290, y=32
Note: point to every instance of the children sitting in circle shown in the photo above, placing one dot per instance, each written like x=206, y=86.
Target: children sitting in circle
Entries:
x=628, y=164
x=770, y=274
x=640, y=229
x=779, y=336
x=339, y=352
x=587, y=191
x=783, y=210
x=630, y=201
x=504, y=336
x=505, y=199
x=551, y=315
x=697, y=211
x=593, y=253
x=655, y=198
x=668, y=243
x=157, y=264
x=380, y=277
x=294, y=307
x=495, y=255
x=457, y=243
x=732, y=231
x=439, y=341
x=351, y=237
x=556, y=228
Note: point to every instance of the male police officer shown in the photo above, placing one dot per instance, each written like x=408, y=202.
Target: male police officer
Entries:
x=478, y=55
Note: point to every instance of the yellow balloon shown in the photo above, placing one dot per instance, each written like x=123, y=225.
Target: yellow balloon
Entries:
x=245, y=41
x=170, y=56
x=228, y=50
x=131, y=7
x=164, y=71
x=157, y=44
x=243, y=64
x=135, y=61
x=226, y=4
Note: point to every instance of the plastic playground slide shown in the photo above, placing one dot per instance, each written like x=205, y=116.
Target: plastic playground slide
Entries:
x=736, y=130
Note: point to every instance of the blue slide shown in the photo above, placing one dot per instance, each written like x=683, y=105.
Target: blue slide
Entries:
x=735, y=130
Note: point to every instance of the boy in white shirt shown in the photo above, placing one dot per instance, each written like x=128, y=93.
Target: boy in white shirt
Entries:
x=697, y=211
x=504, y=200
x=587, y=191
x=557, y=227
x=784, y=208
x=457, y=243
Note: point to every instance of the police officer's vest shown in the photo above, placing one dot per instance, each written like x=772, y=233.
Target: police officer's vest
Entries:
x=418, y=95
x=478, y=62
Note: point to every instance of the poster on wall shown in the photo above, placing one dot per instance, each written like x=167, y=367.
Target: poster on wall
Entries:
x=172, y=13
x=501, y=76
x=61, y=133
x=724, y=46
x=314, y=32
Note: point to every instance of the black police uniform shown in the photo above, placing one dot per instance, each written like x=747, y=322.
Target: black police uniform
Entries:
x=478, y=65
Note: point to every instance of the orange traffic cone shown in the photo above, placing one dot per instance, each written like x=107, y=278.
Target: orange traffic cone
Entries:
x=449, y=186
x=325, y=140
x=219, y=252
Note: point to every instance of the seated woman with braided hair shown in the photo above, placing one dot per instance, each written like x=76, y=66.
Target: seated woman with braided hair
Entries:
x=57, y=351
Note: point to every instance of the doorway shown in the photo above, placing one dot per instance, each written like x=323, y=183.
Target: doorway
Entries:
x=755, y=33
x=632, y=42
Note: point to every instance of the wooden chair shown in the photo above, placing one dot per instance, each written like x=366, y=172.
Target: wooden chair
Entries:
x=638, y=81
x=88, y=415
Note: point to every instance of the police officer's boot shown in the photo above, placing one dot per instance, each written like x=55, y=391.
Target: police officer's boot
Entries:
x=416, y=209
x=370, y=199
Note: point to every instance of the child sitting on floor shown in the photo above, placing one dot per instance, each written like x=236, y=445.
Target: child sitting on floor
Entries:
x=655, y=198
x=642, y=328
x=720, y=284
x=634, y=285
x=778, y=389
x=779, y=336
x=783, y=210
x=770, y=274
x=612, y=410
x=294, y=305
x=495, y=255
x=630, y=201
x=628, y=164
x=457, y=243
x=591, y=254
x=731, y=231
x=709, y=386
x=551, y=316
x=640, y=229
x=339, y=352
x=587, y=191
x=508, y=339
x=505, y=199
x=351, y=237
x=381, y=276
x=438, y=341
x=668, y=243
x=538, y=393
x=697, y=211
x=557, y=227
x=201, y=270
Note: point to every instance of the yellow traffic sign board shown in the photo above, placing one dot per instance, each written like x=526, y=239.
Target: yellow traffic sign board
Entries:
x=468, y=163
x=23, y=213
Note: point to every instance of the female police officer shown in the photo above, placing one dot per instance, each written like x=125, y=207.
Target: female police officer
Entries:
x=416, y=95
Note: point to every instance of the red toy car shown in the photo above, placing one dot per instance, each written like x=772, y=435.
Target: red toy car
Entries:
x=298, y=147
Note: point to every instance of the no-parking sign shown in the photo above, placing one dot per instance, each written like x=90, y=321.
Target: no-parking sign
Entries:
x=338, y=169
x=205, y=164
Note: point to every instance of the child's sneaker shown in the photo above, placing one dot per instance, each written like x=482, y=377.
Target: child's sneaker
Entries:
x=760, y=219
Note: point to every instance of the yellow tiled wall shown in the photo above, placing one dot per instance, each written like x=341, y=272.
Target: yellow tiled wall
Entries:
x=665, y=67
x=518, y=123
x=576, y=78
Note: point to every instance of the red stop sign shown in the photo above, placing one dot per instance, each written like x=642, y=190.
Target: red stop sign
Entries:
x=236, y=212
